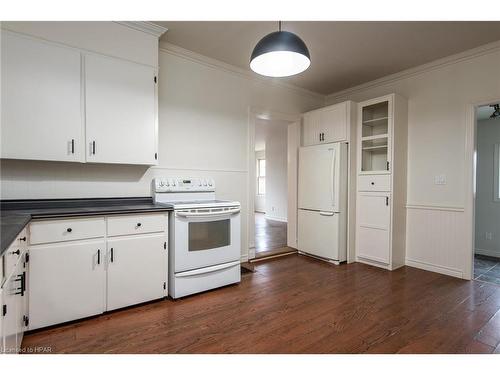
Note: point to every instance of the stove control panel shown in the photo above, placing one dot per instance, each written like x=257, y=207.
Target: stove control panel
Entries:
x=176, y=184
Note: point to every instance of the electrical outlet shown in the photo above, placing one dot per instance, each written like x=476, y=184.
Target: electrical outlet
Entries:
x=489, y=236
x=440, y=179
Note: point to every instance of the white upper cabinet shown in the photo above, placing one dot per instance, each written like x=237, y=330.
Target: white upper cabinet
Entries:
x=120, y=111
x=68, y=104
x=41, y=100
x=327, y=125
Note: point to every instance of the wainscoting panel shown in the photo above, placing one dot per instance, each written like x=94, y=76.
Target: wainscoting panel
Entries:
x=435, y=239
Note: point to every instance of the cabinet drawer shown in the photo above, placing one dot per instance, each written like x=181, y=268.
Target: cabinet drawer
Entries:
x=374, y=183
x=14, y=252
x=136, y=224
x=48, y=231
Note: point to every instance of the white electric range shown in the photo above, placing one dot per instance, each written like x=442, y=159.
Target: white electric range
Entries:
x=204, y=235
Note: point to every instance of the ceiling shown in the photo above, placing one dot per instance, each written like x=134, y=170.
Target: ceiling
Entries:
x=343, y=54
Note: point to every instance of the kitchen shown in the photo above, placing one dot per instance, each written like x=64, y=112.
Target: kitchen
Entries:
x=78, y=190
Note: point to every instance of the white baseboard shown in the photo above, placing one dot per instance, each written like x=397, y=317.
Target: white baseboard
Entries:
x=490, y=253
x=435, y=268
x=244, y=258
x=276, y=218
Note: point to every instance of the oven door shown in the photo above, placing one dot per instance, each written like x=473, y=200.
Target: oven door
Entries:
x=206, y=237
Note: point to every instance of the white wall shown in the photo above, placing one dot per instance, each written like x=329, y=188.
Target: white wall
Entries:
x=487, y=209
x=260, y=200
x=276, y=171
x=203, y=131
x=438, y=97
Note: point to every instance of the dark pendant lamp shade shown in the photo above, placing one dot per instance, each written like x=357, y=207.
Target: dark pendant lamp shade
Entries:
x=280, y=54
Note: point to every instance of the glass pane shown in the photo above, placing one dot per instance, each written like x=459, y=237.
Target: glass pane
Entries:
x=375, y=119
x=262, y=167
x=374, y=155
x=209, y=234
x=262, y=186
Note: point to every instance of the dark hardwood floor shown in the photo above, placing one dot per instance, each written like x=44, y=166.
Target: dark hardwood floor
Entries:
x=297, y=304
x=269, y=235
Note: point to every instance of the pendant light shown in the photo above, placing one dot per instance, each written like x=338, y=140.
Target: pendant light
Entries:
x=280, y=54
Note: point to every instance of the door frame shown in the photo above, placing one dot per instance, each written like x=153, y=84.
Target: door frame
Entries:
x=470, y=181
x=255, y=113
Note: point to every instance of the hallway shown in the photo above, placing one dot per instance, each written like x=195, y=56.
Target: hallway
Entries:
x=269, y=234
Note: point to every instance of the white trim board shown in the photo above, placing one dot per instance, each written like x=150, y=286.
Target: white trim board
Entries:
x=145, y=27
x=200, y=169
x=242, y=73
x=434, y=207
x=434, y=268
x=421, y=69
x=276, y=218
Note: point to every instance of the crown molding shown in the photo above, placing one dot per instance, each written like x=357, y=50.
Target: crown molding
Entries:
x=220, y=65
x=145, y=27
x=421, y=69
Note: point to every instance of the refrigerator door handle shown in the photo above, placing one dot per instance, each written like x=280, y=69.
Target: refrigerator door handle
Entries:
x=332, y=179
x=324, y=213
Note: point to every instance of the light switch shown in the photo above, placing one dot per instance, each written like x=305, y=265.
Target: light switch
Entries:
x=440, y=179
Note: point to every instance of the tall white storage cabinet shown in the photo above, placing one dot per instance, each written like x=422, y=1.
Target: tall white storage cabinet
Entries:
x=382, y=133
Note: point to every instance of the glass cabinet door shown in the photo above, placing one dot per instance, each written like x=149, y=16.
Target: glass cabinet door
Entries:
x=375, y=137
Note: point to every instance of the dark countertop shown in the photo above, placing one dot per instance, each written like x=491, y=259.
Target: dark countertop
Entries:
x=16, y=214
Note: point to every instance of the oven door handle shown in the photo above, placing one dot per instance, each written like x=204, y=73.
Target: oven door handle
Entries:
x=201, y=271
x=207, y=214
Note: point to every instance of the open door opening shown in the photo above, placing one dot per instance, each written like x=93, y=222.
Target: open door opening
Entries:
x=271, y=188
x=487, y=195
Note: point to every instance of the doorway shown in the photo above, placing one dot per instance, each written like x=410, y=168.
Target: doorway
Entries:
x=487, y=195
x=271, y=187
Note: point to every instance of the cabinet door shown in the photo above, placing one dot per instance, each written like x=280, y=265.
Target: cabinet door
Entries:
x=1, y=320
x=120, y=111
x=137, y=270
x=334, y=123
x=41, y=100
x=10, y=319
x=310, y=130
x=373, y=226
x=67, y=282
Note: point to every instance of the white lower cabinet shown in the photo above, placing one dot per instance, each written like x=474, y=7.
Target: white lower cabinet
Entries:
x=81, y=276
x=374, y=226
x=137, y=269
x=14, y=308
x=67, y=282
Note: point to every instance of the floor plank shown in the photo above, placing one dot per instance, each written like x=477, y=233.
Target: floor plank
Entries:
x=269, y=235
x=297, y=304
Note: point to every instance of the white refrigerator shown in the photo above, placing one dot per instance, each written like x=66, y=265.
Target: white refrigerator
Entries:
x=322, y=201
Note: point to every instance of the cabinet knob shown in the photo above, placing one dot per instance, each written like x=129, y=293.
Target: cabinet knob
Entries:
x=17, y=252
x=69, y=230
x=373, y=183
x=139, y=224
x=22, y=239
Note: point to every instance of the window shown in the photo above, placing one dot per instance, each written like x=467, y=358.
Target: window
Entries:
x=261, y=176
x=496, y=176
